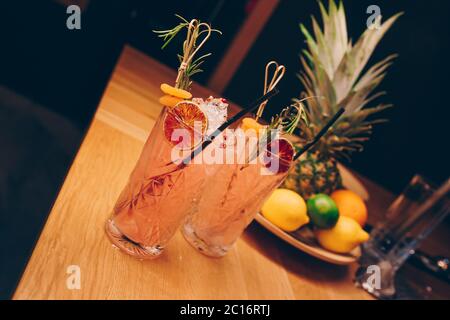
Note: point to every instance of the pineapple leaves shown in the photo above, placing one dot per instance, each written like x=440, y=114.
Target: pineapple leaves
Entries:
x=375, y=71
x=356, y=59
x=336, y=70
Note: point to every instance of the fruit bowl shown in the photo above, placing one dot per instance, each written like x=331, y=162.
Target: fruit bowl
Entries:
x=304, y=240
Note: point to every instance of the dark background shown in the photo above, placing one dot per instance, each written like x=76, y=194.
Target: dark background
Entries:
x=51, y=80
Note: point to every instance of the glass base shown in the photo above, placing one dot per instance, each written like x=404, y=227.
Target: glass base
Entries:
x=376, y=273
x=382, y=288
x=128, y=246
x=201, y=245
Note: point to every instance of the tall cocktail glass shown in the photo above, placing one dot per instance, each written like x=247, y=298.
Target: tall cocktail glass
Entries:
x=232, y=198
x=157, y=196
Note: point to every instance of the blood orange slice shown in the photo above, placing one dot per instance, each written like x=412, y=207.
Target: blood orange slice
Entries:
x=185, y=125
x=279, y=156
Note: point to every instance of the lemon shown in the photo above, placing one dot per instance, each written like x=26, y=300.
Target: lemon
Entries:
x=350, y=205
x=286, y=209
x=345, y=236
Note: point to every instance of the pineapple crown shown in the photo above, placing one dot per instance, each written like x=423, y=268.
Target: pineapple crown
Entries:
x=332, y=75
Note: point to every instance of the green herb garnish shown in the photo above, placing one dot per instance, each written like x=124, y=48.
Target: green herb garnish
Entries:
x=188, y=66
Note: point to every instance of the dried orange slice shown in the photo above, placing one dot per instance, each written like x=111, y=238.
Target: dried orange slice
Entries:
x=251, y=124
x=172, y=91
x=185, y=125
x=169, y=101
x=279, y=155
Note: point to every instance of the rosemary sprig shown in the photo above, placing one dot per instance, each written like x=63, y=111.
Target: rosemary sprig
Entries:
x=188, y=66
x=289, y=118
x=193, y=68
x=168, y=35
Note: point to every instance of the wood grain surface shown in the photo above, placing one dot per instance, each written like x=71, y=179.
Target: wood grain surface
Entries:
x=260, y=266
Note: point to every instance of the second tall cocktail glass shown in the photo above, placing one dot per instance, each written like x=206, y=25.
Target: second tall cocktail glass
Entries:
x=231, y=199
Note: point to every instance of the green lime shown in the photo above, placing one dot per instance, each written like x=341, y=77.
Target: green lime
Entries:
x=322, y=211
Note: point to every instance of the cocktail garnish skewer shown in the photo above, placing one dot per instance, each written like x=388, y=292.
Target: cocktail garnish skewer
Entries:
x=189, y=47
x=278, y=74
x=188, y=66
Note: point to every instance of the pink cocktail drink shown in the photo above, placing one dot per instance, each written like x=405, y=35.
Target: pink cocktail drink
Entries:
x=161, y=190
x=233, y=197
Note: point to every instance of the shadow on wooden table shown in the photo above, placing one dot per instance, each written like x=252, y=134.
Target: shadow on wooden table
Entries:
x=291, y=258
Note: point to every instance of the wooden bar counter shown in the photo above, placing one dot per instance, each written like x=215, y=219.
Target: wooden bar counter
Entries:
x=260, y=266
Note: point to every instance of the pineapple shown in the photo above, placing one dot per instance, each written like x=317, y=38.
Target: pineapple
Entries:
x=313, y=173
x=333, y=78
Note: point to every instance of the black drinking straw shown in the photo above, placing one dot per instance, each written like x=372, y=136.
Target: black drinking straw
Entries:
x=320, y=134
x=209, y=139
